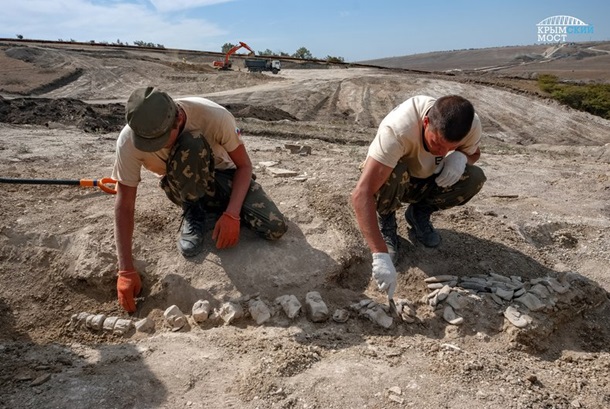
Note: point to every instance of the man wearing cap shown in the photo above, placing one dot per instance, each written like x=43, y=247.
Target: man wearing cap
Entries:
x=195, y=147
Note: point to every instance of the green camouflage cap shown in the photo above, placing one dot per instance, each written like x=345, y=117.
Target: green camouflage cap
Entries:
x=150, y=114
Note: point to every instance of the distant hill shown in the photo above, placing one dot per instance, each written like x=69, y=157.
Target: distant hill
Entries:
x=570, y=61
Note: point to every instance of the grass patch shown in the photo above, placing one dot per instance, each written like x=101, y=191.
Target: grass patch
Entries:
x=592, y=98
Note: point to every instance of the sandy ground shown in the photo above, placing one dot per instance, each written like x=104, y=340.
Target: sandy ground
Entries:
x=544, y=212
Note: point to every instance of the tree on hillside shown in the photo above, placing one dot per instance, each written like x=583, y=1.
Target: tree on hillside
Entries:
x=303, y=53
x=19, y=36
x=226, y=47
x=334, y=59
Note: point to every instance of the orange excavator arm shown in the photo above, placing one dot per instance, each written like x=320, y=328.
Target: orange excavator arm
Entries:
x=227, y=64
x=235, y=48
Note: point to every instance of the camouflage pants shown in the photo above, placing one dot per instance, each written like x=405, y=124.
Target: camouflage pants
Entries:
x=402, y=188
x=191, y=177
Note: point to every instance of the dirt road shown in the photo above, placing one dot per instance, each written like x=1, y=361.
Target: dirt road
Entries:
x=543, y=213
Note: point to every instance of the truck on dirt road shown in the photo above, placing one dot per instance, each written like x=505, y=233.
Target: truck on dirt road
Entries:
x=260, y=65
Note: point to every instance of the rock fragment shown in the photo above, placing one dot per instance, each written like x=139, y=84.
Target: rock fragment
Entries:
x=259, y=311
x=290, y=305
x=457, y=300
x=109, y=323
x=281, y=173
x=516, y=318
x=174, y=317
x=201, y=310
x=556, y=286
x=122, y=326
x=443, y=293
x=315, y=306
x=440, y=278
x=340, y=315
x=230, y=311
x=540, y=291
x=532, y=302
x=504, y=294
x=97, y=322
x=145, y=325
x=451, y=317
x=378, y=316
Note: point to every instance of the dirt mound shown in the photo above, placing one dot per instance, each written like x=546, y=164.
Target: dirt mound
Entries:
x=101, y=117
x=264, y=113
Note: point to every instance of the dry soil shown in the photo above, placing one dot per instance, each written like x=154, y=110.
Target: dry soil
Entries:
x=544, y=211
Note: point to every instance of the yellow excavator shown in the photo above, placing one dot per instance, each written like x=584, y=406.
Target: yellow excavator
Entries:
x=226, y=63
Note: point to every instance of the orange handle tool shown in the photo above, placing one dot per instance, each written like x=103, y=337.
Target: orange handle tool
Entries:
x=103, y=183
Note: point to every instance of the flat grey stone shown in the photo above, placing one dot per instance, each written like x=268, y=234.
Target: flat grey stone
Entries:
x=540, y=290
x=501, y=278
x=505, y=294
x=475, y=286
x=532, y=302
x=497, y=299
x=457, y=300
x=451, y=317
x=477, y=280
x=519, y=292
x=556, y=286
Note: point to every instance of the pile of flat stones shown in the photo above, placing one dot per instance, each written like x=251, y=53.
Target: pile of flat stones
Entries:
x=516, y=296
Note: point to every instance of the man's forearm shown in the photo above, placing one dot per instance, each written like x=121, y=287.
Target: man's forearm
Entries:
x=366, y=215
x=241, y=184
x=123, y=233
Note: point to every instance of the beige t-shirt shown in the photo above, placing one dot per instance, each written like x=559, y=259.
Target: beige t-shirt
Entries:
x=400, y=134
x=202, y=115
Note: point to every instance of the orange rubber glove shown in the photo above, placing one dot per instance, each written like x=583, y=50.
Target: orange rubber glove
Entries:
x=128, y=286
x=226, y=231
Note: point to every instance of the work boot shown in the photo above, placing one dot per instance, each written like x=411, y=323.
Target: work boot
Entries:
x=387, y=226
x=190, y=241
x=418, y=217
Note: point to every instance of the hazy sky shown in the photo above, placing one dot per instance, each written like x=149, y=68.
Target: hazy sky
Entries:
x=353, y=29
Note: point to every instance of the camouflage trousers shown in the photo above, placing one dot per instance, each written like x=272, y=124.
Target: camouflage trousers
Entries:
x=402, y=188
x=190, y=177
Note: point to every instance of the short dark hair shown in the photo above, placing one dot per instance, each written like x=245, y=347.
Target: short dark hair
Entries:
x=452, y=117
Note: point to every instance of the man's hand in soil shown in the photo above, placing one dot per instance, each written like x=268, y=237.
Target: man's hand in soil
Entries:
x=226, y=231
x=128, y=286
x=384, y=273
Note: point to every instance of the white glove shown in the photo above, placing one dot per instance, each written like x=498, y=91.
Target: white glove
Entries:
x=384, y=273
x=453, y=166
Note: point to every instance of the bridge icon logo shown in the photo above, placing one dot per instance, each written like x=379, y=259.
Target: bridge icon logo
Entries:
x=555, y=29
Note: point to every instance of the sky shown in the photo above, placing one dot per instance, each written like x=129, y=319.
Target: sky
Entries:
x=355, y=30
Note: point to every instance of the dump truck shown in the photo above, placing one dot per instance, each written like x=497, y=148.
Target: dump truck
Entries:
x=260, y=65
